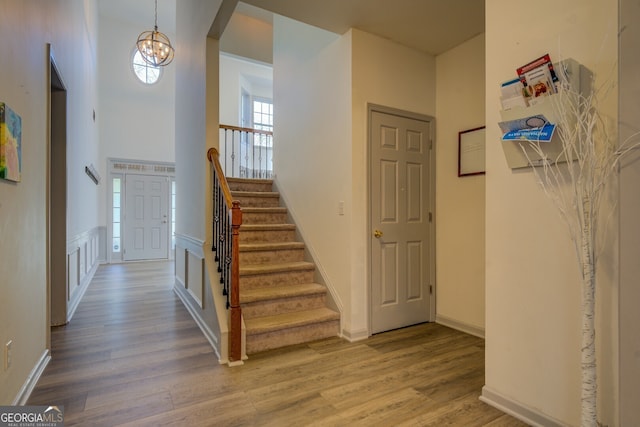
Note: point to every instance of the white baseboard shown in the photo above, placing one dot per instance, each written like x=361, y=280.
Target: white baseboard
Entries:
x=182, y=293
x=353, y=336
x=515, y=409
x=35, y=374
x=460, y=326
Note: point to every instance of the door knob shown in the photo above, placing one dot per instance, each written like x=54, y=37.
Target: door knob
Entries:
x=377, y=234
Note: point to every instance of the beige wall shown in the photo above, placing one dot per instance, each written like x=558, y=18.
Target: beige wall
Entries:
x=532, y=279
x=460, y=209
x=25, y=29
x=248, y=37
x=629, y=213
x=391, y=75
x=312, y=153
x=322, y=86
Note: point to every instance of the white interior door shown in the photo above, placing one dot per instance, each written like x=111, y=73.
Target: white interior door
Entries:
x=400, y=235
x=146, y=217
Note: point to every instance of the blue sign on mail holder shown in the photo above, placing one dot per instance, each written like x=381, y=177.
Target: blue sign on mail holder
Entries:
x=539, y=134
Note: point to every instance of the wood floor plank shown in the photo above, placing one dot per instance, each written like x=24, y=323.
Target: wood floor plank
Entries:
x=386, y=410
x=129, y=410
x=505, y=420
x=465, y=411
x=132, y=355
x=230, y=410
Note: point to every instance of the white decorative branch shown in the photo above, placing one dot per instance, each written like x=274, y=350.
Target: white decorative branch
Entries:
x=575, y=181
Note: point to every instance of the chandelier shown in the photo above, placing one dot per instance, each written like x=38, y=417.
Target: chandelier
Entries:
x=154, y=46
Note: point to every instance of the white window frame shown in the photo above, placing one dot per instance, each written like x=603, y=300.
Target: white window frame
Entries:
x=147, y=67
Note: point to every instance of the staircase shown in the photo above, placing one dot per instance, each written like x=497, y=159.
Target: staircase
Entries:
x=281, y=304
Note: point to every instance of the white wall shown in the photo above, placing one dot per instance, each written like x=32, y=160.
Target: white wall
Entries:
x=388, y=74
x=196, y=113
x=237, y=74
x=312, y=121
x=532, y=279
x=460, y=209
x=256, y=79
x=82, y=142
x=136, y=120
x=196, y=127
x=25, y=29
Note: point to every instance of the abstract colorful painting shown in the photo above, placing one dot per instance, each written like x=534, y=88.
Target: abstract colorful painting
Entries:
x=10, y=144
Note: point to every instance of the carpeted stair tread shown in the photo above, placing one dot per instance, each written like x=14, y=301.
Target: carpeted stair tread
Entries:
x=254, y=247
x=254, y=269
x=267, y=227
x=260, y=325
x=241, y=184
x=274, y=209
x=249, y=180
x=255, y=194
x=276, y=292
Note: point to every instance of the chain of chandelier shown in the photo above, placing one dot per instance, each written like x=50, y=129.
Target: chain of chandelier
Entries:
x=154, y=46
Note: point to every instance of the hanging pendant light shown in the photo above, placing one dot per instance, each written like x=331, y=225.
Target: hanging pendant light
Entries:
x=154, y=46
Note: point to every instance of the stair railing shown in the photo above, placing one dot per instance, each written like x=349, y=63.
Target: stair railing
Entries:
x=227, y=218
x=246, y=152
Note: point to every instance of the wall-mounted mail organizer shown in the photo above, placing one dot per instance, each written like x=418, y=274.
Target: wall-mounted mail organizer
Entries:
x=537, y=121
x=92, y=173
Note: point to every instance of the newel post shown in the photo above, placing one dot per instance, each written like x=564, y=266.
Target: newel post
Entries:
x=235, y=330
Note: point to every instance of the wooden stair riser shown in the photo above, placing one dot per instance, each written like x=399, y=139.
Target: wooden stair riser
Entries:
x=249, y=185
x=275, y=279
x=283, y=305
x=264, y=217
x=257, y=201
x=271, y=256
x=291, y=336
x=266, y=236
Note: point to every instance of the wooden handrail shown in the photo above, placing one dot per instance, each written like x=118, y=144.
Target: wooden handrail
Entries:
x=227, y=219
x=249, y=130
x=214, y=157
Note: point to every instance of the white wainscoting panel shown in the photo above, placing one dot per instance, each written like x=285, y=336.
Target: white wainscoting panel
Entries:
x=82, y=262
x=195, y=277
x=181, y=266
x=73, y=271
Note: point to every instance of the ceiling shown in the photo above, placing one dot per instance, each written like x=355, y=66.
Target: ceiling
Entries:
x=431, y=26
x=141, y=13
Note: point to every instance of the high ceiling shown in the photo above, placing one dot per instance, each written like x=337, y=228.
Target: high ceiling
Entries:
x=432, y=26
x=141, y=13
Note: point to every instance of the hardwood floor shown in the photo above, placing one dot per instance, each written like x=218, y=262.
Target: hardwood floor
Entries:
x=132, y=355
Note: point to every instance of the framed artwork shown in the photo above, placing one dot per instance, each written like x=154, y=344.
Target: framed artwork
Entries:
x=471, y=149
x=10, y=144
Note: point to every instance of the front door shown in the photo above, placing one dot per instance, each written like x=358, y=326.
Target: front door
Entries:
x=146, y=217
x=400, y=235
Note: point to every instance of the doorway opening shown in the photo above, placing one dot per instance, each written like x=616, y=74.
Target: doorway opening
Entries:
x=57, y=196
